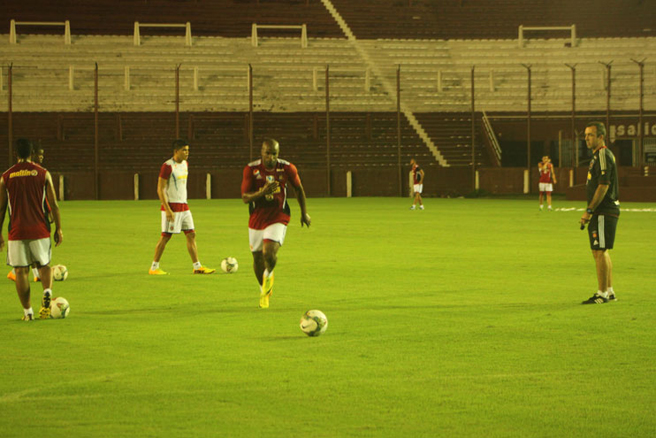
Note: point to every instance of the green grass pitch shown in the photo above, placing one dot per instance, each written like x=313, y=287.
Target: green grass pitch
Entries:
x=460, y=320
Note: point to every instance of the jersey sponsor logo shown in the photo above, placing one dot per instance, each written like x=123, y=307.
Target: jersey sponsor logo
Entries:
x=23, y=173
x=280, y=170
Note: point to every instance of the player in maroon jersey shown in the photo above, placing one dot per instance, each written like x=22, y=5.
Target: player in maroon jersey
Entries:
x=547, y=180
x=37, y=158
x=264, y=188
x=417, y=184
x=23, y=187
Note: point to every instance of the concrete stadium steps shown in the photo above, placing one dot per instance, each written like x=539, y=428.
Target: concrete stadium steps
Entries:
x=142, y=141
x=475, y=19
x=225, y=18
x=288, y=78
x=452, y=135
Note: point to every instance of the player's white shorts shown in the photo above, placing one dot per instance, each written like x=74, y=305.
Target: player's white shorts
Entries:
x=546, y=187
x=274, y=232
x=25, y=252
x=182, y=221
x=418, y=188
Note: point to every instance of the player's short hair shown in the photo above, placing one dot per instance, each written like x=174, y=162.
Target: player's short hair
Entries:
x=179, y=144
x=24, y=148
x=601, y=128
x=270, y=142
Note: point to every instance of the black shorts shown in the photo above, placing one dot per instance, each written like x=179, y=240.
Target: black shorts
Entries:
x=601, y=231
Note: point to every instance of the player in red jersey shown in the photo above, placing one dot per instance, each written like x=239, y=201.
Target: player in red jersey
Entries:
x=176, y=216
x=37, y=158
x=547, y=180
x=24, y=187
x=417, y=184
x=264, y=188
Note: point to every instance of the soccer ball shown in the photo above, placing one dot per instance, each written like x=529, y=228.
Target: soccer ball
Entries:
x=229, y=265
x=59, y=308
x=314, y=323
x=59, y=273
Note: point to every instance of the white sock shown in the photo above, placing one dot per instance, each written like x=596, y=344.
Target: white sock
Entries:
x=197, y=265
x=154, y=266
x=541, y=206
x=35, y=271
x=610, y=291
x=47, y=292
x=28, y=311
x=603, y=294
x=267, y=274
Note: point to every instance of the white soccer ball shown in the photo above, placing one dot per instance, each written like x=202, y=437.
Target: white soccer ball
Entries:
x=59, y=273
x=314, y=323
x=59, y=308
x=229, y=265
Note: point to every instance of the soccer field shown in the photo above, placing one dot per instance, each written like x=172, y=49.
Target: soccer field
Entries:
x=460, y=320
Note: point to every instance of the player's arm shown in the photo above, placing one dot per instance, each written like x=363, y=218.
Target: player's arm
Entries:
x=54, y=209
x=300, y=197
x=163, y=198
x=553, y=173
x=247, y=193
x=292, y=174
x=421, y=180
x=3, y=209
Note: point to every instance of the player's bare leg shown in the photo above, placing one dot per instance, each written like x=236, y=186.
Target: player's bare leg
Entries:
x=611, y=292
x=23, y=288
x=193, y=253
x=159, y=250
x=549, y=200
x=603, y=264
x=419, y=200
x=541, y=199
x=45, y=273
x=192, y=247
x=414, y=200
x=161, y=246
x=270, y=258
x=258, y=266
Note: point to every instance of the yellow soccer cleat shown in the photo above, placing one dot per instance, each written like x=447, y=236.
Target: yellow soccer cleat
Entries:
x=44, y=312
x=204, y=270
x=267, y=291
x=11, y=276
x=37, y=279
x=264, y=300
x=28, y=317
x=157, y=271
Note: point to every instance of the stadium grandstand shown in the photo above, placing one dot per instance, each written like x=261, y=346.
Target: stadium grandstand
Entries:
x=477, y=91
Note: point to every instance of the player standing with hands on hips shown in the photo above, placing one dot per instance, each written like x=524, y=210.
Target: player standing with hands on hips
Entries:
x=547, y=180
x=418, y=184
x=603, y=210
x=23, y=187
x=264, y=189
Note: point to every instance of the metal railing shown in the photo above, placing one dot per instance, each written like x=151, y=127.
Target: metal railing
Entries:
x=492, y=139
